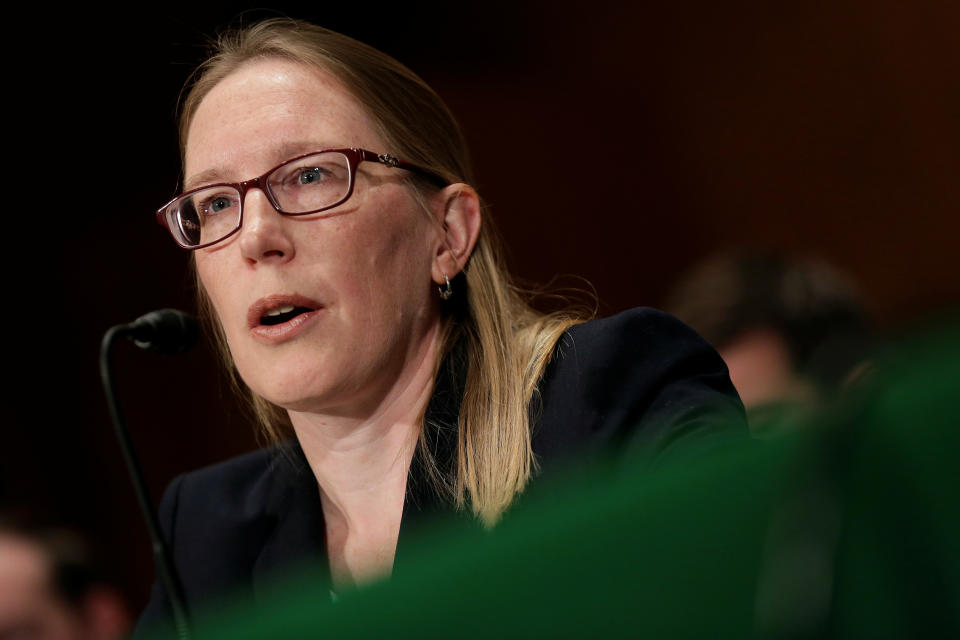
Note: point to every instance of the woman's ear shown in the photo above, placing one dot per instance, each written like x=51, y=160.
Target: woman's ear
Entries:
x=460, y=220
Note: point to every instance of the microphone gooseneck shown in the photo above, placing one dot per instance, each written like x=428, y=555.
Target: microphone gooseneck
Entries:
x=165, y=331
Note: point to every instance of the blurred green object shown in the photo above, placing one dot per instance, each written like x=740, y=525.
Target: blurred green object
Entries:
x=846, y=528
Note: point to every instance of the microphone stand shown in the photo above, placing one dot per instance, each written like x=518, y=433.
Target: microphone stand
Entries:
x=166, y=572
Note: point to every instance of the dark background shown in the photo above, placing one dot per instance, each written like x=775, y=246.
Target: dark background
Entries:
x=827, y=128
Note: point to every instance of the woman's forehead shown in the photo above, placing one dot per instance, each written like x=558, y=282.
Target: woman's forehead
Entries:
x=274, y=109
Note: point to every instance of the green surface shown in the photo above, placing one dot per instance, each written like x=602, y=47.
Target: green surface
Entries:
x=847, y=528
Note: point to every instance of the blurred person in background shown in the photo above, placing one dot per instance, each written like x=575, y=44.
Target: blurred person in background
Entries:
x=791, y=329
x=51, y=590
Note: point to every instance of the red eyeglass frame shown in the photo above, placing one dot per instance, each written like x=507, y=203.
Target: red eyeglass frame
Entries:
x=354, y=157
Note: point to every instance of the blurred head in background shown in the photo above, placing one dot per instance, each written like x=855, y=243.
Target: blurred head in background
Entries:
x=50, y=590
x=791, y=329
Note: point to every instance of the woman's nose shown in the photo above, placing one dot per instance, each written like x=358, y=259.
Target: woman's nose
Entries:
x=264, y=235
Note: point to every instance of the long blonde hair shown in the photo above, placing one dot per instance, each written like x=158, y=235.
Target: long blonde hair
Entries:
x=507, y=343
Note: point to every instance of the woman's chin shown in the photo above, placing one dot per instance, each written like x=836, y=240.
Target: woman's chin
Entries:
x=296, y=399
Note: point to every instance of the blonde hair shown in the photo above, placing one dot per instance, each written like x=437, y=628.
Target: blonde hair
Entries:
x=507, y=343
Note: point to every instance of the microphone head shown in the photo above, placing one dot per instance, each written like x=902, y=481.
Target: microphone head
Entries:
x=165, y=331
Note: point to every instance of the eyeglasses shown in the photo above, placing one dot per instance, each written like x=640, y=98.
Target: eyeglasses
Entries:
x=300, y=186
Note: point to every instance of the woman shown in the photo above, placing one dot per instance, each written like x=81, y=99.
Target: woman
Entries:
x=351, y=279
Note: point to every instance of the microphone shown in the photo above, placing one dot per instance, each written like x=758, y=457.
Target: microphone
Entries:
x=165, y=331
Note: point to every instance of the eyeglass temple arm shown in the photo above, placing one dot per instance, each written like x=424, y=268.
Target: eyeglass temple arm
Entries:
x=396, y=163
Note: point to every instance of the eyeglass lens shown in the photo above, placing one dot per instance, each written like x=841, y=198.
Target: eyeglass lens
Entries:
x=302, y=186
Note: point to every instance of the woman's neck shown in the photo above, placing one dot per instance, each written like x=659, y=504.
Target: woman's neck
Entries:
x=361, y=465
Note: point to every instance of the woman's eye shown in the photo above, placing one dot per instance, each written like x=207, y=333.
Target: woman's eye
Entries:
x=310, y=176
x=219, y=204
x=216, y=204
x=315, y=174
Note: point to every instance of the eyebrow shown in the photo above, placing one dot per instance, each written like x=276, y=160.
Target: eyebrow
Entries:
x=282, y=153
x=209, y=176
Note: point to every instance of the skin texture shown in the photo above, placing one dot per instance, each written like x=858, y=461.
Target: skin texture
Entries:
x=357, y=375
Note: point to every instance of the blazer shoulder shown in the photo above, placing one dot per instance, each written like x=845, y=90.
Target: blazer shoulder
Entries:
x=235, y=471
x=642, y=329
x=635, y=351
x=639, y=378
x=234, y=487
x=223, y=525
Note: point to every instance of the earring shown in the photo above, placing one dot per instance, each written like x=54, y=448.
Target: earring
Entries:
x=447, y=291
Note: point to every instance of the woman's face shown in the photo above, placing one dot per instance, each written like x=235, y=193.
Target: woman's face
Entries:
x=363, y=269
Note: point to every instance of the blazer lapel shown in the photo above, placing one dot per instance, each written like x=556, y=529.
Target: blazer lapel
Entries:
x=429, y=481
x=296, y=545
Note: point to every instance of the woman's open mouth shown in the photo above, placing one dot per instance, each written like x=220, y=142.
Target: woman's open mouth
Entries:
x=283, y=314
x=280, y=317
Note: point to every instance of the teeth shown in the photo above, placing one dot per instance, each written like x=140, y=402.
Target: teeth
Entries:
x=280, y=310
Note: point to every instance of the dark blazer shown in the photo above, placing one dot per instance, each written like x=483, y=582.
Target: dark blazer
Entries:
x=639, y=382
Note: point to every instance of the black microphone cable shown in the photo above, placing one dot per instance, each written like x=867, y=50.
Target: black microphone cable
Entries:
x=164, y=331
